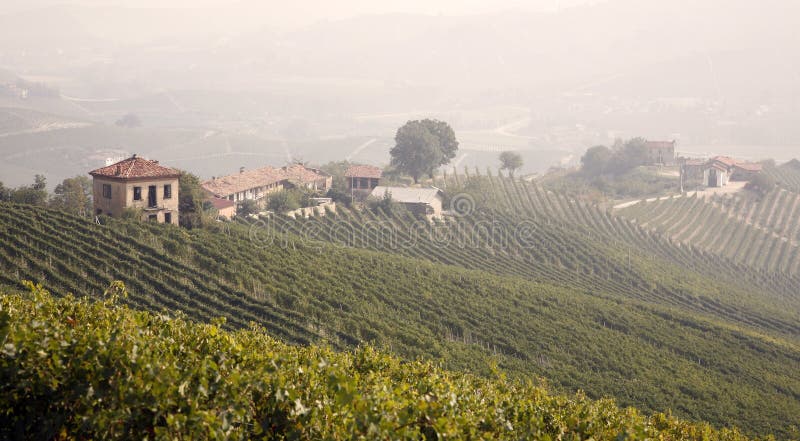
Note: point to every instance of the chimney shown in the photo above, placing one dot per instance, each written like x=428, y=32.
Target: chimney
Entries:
x=241, y=169
x=118, y=171
x=134, y=156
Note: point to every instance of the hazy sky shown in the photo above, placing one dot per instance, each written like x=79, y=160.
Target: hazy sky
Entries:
x=297, y=12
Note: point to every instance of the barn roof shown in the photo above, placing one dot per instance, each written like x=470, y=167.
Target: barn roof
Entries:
x=260, y=177
x=301, y=173
x=725, y=160
x=245, y=180
x=729, y=163
x=363, y=171
x=221, y=204
x=408, y=195
x=134, y=168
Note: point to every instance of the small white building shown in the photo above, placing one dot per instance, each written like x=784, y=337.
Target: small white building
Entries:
x=715, y=175
x=420, y=201
x=719, y=170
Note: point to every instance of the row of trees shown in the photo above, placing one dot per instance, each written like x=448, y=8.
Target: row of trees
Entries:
x=72, y=194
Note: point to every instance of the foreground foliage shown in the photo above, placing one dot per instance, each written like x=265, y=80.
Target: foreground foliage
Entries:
x=76, y=369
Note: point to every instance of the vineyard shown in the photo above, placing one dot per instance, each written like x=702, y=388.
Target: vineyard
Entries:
x=179, y=380
x=787, y=175
x=761, y=232
x=518, y=229
x=565, y=303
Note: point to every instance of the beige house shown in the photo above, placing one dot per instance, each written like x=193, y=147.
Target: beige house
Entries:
x=137, y=183
x=363, y=178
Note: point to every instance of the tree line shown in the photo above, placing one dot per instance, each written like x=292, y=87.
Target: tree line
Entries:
x=72, y=194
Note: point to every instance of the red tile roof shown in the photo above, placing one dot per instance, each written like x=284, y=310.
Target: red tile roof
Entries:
x=221, y=204
x=261, y=177
x=725, y=160
x=300, y=173
x=729, y=163
x=134, y=168
x=363, y=171
x=246, y=180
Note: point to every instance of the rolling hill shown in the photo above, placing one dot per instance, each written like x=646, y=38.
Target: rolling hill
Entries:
x=761, y=232
x=647, y=333
x=787, y=175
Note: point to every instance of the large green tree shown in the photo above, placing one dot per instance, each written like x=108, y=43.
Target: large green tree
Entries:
x=247, y=207
x=423, y=145
x=190, y=201
x=283, y=201
x=617, y=160
x=510, y=161
x=73, y=195
x=596, y=160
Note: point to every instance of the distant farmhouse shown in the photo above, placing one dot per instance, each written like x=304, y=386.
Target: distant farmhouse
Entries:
x=140, y=184
x=719, y=170
x=419, y=201
x=363, y=178
x=258, y=183
x=661, y=152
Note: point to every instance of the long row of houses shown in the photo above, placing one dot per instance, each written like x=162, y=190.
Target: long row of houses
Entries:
x=143, y=184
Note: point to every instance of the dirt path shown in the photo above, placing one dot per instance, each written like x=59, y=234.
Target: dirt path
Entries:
x=731, y=188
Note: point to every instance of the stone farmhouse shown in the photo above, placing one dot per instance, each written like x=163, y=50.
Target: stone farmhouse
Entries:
x=258, y=183
x=137, y=183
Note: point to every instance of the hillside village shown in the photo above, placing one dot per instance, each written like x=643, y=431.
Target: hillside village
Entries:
x=139, y=183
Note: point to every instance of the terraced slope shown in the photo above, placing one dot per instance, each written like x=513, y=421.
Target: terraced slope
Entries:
x=641, y=352
x=762, y=233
